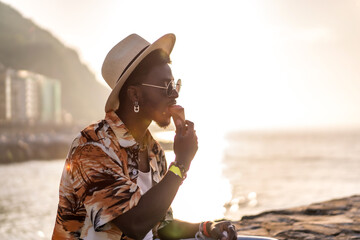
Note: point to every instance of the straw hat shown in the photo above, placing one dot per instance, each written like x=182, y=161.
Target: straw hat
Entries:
x=123, y=59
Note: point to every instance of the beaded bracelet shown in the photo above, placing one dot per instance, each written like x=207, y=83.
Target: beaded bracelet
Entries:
x=203, y=230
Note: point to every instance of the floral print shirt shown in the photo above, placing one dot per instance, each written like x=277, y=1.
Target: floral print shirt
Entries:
x=99, y=181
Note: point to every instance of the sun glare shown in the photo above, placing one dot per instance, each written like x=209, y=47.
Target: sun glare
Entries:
x=205, y=189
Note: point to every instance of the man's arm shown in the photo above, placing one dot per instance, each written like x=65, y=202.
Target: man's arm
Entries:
x=151, y=208
x=153, y=205
x=177, y=229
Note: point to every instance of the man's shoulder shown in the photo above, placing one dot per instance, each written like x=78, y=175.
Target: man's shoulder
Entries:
x=98, y=134
x=93, y=130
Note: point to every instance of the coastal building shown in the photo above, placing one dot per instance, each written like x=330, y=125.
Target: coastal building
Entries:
x=2, y=92
x=50, y=99
x=24, y=102
x=27, y=97
x=5, y=113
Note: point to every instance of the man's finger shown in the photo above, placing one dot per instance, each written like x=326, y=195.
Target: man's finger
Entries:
x=218, y=234
x=179, y=127
x=223, y=236
x=232, y=234
x=190, y=125
x=189, y=128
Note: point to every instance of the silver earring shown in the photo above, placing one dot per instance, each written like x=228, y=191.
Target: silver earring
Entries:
x=136, y=107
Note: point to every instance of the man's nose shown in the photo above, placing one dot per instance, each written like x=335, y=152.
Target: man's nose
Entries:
x=174, y=94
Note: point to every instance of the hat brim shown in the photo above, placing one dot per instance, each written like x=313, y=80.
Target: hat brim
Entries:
x=165, y=43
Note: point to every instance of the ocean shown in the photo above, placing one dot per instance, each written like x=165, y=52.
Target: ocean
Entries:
x=282, y=170
x=254, y=172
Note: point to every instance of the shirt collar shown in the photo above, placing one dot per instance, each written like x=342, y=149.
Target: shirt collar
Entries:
x=121, y=132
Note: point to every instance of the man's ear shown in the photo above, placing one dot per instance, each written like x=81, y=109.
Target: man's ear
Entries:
x=134, y=93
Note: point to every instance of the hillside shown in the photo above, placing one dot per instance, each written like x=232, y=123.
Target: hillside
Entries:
x=24, y=45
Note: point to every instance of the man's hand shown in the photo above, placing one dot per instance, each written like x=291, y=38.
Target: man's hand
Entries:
x=217, y=230
x=185, y=143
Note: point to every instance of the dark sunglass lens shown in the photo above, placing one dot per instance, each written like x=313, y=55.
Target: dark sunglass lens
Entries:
x=170, y=89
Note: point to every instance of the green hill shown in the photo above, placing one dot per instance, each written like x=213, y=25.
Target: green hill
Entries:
x=24, y=45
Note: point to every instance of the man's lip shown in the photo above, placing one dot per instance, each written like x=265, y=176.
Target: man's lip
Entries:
x=172, y=103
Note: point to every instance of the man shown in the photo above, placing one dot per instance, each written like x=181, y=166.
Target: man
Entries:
x=116, y=183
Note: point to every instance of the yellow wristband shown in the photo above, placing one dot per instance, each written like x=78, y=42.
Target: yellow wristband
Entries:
x=175, y=170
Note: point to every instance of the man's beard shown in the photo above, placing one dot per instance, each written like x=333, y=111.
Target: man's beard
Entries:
x=162, y=125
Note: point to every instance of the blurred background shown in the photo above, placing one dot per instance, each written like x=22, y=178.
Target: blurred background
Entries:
x=272, y=86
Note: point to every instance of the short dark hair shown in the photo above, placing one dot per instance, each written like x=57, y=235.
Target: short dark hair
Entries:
x=153, y=59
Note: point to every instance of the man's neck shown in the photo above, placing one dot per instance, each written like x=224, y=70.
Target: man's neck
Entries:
x=135, y=122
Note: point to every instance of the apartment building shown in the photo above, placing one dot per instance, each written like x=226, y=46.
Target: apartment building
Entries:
x=29, y=97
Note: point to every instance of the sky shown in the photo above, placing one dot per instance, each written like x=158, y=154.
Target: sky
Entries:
x=244, y=64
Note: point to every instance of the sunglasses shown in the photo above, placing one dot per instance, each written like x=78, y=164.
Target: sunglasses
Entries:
x=170, y=87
